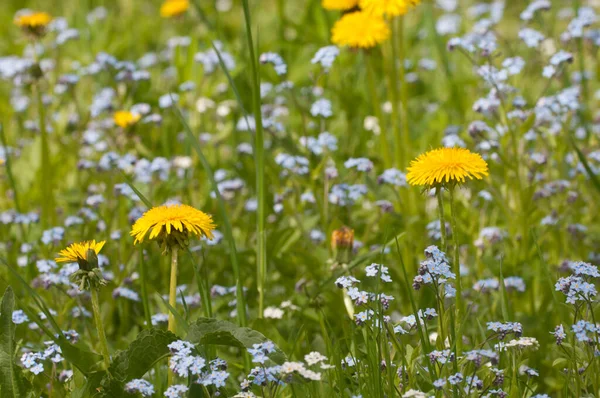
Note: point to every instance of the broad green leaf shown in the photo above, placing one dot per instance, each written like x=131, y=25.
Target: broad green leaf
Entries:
x=14, y=384
x=149, y=347
x=79, y=356
x=216, y=332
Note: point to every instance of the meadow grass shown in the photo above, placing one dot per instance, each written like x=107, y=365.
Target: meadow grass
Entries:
x=377, y=205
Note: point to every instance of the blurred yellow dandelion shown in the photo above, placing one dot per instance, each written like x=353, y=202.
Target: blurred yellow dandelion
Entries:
x=446, y=165
x=359, y=29
x=388, y=8
x=339, y=4
x=164, y=220
x=173, y=8
x=78, y=251
x=33, y=20
x=125, y=118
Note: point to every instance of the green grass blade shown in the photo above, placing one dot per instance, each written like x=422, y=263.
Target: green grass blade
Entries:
x=593, y=177
x=259, y=155
x=241, y=302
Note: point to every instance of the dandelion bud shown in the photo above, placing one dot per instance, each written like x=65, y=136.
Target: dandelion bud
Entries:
x=342, y=241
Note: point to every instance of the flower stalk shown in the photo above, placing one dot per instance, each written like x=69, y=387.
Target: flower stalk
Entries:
x=456, y=265
x=173, y=287
x=100, y=327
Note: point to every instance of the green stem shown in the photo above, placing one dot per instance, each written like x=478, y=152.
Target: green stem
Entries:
x=100, y=327
x=259, y=152
x=173, y=287
x=143, y=282
x=456, y=264
x=439, y=193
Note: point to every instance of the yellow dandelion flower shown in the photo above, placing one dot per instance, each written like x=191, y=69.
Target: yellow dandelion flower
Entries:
x=173, y=8
x=78, y=251
x=339, y=4
x=388, y=8
x=165, y=220
x=125, y=118
x=359, y=29
x=446, y=165
x=33, y=20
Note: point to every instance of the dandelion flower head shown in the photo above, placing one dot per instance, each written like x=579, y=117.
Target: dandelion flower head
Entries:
x=388, y=8
x=125, y=118
x=173, y=8
x=446, y=165
x=33, y=20
x=78, y=251
x=339, y=4
x=176, y=221
x=360, y=29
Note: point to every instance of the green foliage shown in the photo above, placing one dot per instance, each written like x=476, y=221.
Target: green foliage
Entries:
x=149, y=347
x=209, y=331
x=13, y=383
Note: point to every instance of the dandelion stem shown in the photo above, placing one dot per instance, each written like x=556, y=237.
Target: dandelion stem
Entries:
x=173, y=287
x=456, y=265
x=144, y=283
x=440, y=198
x=100, y=327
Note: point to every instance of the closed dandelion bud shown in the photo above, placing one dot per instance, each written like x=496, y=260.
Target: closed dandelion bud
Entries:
x=342, y=241
x=383, y=366
x=342, y=238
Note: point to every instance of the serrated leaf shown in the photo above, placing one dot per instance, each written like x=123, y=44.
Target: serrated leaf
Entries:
x=216, y=332
x=14, y=384
x=149, y=347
